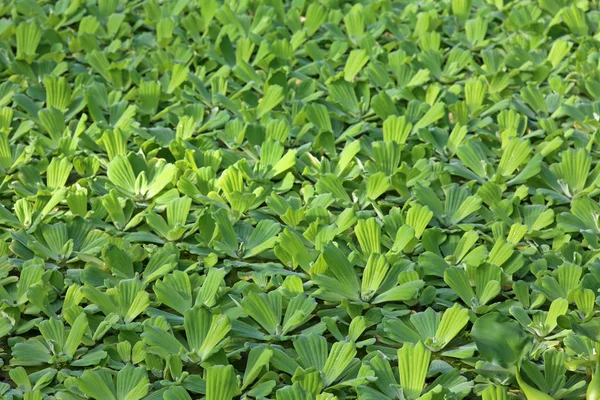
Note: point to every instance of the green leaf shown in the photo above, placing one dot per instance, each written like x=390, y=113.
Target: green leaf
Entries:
x=258, y=358
x=178, y=76
x=132, y=383
x=273, y=96
x=294, y=392
x=343, y=93
x=404, y=292
x=575, y=19
x=312, y=350
x=573, y=170
x=340, y=356
x=79, y=328
x=318, y=115
x=530, y=392
x=175, y=291
x=418, y=218
x=53, y=122
x=453, y=321
x=461, y=9
x=413, y=363
x=494, y=392
x=221, y=383
x=396, y=129
x=148, y=96
x=29, y=35
x=58, y=93
x=456, y=278
x=298, y=312
x=262, y=238
x=557, y=308
x=339, y=265
x=499, y=339
x=355, y=62
x=373, y=275
x=118, y=262
x=435, y=113
x=121, y=175
x=515, y=153
x=209, y=290
x=265, y=309
x=368, y=233
x=98, y=384
x=205, y=332
x=316, y=15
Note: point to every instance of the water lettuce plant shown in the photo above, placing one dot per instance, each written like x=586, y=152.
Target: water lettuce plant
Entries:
x=299, y=199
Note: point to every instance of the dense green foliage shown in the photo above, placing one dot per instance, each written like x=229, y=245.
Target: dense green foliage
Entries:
x=299, y=200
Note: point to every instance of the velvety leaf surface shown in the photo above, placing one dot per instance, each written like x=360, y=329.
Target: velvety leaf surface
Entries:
x=299, y=199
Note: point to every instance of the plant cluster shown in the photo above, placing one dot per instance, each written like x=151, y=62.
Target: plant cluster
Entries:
x=299, y=200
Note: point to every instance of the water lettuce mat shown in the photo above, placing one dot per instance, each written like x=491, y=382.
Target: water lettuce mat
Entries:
x=299, y=200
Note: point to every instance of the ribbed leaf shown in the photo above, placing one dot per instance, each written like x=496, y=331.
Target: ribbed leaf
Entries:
x=53, y=122
x=178, y=210
x=58, y=93
x=515, y=153
x=271, y=99
x=404, y=292
x=373, y=275
x=318, y=115
x=29, y=35
x=79, y=328
x=475, y=92
x=263, y=237
x=208, y=292
x=426, y=323
x=355, y=62
x=401, y=331
x=377, y=185
x=175, y=291
x=132, y=383
x=575, y=19
x=453, y=321
x=493, y=392
x=298, y=312
x=316, y=15
x=387, y=157
x=572, y=171
x=258, y=358
x=148, y=96
x=461, y=9
x=159, y=338
x=340, y=356
x=456, y=278
x=121, y=175
x=418, y=218
x=396, y=129
x=204, y=331
x=294, y=392
x=557, y=308
x=413, y=363
x=178, y=75
x=331, y=184
x=342, y=93
x=312, y=350
x=435, y=113
x=98, y=384
x=118, y=262
x=368, y=233
x=265, y=309
x=500, y=253
x=341, y=268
